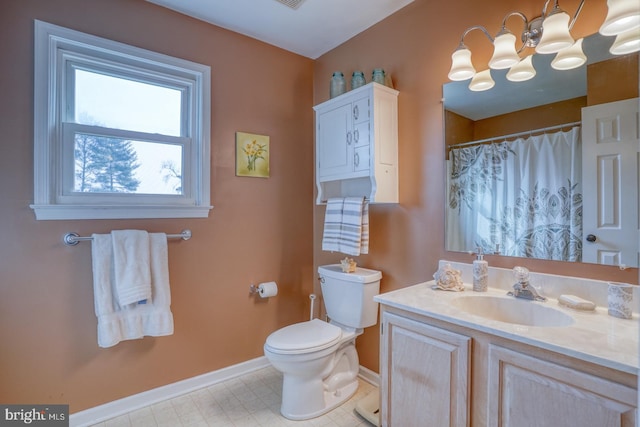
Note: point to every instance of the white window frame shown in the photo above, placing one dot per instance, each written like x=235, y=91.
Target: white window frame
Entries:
x=58, y=50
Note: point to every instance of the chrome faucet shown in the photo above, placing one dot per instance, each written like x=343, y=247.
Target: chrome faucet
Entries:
x=522, y=288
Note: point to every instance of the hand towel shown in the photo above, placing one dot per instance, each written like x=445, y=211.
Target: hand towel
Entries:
x=351, y=234
x=332, y=225
x=364, y=240
x=118, y=322
x=346, y=226
x=132, y=271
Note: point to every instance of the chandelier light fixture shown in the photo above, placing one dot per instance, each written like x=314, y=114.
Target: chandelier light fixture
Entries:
x=549, y=33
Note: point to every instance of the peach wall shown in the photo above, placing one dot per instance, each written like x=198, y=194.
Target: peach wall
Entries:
x=414, y=45
x=613, y=80
x=47, y=325
x=259, y=230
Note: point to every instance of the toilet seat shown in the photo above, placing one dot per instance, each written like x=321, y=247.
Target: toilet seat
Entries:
x=304, y=337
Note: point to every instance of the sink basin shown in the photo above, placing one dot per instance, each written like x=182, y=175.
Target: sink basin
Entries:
x=512, y=310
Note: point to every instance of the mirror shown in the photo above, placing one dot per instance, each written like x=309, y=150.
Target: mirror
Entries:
x=489, y=137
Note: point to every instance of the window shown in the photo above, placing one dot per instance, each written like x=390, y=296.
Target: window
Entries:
x=119, y=132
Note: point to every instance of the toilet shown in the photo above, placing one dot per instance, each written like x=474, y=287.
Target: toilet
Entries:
x=318, y=359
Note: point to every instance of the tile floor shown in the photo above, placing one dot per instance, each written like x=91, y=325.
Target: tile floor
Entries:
x=252, y=400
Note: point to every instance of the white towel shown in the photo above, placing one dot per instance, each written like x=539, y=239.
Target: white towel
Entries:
x=346, y=226
x=131, y=259
x=117, y=322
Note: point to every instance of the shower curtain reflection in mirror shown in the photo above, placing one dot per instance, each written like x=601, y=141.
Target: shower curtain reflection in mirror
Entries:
x=518, y=198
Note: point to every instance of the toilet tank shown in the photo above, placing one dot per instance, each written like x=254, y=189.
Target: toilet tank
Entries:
x=348, y=297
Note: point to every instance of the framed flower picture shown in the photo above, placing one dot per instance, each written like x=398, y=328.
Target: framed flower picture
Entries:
x=252, y=155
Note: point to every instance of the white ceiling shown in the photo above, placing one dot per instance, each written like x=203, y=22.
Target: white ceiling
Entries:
x=312, y=29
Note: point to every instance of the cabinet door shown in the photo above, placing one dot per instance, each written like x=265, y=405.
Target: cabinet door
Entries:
x=361, y=134
x=360, y=110
x=424, y=373
x=361, y=158
x=335, y=139
x=528, y=392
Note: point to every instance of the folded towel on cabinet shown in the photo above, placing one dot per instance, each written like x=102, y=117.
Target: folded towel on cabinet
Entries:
x=150, y=317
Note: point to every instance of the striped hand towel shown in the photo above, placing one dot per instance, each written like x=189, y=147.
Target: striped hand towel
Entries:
x=346, y=226
x=332, y=225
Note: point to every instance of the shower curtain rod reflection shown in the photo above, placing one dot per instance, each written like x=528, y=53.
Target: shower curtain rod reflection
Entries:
x=72, y=239
x=513, y=135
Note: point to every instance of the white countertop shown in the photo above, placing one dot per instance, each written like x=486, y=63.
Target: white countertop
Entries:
x=593, y=337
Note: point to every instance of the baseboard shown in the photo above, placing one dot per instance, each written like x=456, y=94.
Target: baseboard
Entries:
x=369, y=376
x=131, y=403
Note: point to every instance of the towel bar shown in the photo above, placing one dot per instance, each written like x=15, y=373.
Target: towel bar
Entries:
x=72, y=239
x=324, y=202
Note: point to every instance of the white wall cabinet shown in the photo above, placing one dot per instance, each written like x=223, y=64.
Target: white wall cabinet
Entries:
x=433, y=373
x=357, y=145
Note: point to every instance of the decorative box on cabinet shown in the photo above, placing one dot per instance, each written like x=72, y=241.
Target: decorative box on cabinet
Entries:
x=357, y=145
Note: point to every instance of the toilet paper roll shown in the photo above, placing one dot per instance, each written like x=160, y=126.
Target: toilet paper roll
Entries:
x=268, y=289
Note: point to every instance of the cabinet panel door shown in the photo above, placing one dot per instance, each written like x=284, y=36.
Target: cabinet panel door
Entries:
x=527, y=392
x=335, y=137
x=424, y=374
x=361, y=134
x=360, y=110
x=361, y=158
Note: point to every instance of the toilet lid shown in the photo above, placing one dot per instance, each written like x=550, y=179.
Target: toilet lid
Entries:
x=305, y=336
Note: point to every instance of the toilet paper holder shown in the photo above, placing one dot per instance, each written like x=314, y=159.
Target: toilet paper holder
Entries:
x=263, y=289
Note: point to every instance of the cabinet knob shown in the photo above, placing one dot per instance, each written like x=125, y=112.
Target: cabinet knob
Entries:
x=591, y=238
x=356, y=159
x=356, y=112
x=349, y=138
x=356, y=136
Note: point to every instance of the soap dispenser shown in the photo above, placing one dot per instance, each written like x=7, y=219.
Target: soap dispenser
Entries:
x=480, y=272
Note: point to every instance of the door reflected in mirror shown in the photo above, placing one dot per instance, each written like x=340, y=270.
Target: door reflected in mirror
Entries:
x=537, y=168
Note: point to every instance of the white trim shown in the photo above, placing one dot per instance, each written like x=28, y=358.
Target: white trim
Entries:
x=146, y=398
x=54, y=46
x=54, y=212
x=369, y=376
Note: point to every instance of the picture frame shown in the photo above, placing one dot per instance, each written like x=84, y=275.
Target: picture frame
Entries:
x=252, y=155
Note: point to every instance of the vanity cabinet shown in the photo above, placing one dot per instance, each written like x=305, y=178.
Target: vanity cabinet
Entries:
x=526, y=391
x=435, y=373
x=357, y=145
x=424, y=374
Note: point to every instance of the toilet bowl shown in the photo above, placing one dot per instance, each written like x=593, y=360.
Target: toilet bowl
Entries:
x=318, y=359
x=321, y=348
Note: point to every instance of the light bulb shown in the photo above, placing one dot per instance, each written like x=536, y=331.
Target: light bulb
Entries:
x=504, y=52
x=570, y=57
x=461, y=66
x=622, y=16
x=482, y=81
x=555, y=33
x=522, y=71
x=626, y=42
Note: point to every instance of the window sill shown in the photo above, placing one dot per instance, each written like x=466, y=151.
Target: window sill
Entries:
x=57, y=212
